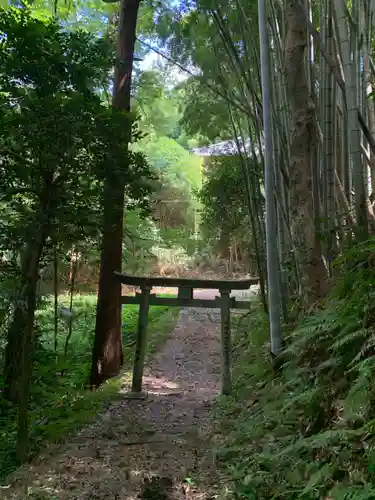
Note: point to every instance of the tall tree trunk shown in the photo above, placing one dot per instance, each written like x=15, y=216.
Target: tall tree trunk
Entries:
x=107, y=355
x=55, y=297
x=303, y=139
x=12, y=363
x=224, y=243
x=273, y=269
x=74, y=269
x=27, y=349
x=20, y=328
x=20, y=345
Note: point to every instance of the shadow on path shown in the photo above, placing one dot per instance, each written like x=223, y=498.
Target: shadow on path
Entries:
x=145, y=448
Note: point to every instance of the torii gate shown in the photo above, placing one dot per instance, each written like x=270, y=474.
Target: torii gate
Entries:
x=185, y=298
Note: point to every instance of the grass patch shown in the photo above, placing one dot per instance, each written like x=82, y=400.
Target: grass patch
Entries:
x=59, y=401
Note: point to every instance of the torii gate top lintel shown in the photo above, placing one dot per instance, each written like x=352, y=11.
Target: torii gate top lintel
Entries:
x=153, y=281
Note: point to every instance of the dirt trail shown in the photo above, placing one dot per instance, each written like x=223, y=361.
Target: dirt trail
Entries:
x=169, y=434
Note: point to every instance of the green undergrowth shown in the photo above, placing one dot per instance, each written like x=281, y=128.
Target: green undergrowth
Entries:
x=308, y=433
x=60, y=402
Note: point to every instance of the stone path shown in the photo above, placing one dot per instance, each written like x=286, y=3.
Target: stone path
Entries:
x=151, y=449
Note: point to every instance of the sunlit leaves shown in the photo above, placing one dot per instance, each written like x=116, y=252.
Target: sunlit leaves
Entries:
x=57, y=139
x=40, y=55
x=204, y=112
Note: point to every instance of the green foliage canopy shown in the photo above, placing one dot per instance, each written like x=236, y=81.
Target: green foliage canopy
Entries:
x=57, y=139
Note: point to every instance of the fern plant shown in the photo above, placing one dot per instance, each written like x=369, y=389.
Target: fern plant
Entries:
x=310, y=434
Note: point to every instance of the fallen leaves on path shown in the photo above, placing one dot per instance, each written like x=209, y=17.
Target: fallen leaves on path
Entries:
x=157, y=448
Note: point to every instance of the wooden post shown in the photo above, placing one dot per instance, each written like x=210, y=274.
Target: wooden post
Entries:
x=226, y=344
x=140, y=350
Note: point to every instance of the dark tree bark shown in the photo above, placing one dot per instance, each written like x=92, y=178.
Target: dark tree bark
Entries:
x=73, y=275
x=20, y=330
x=20, y=345
x=13, y=355
x=21, y=335
x=314, y=275
x=27, y=352
x=107, y=355
x=55, y=297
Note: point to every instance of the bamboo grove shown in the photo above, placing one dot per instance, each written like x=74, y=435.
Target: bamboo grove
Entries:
x=322, y=127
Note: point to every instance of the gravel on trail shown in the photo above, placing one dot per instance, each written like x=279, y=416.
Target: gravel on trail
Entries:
x=145, y=449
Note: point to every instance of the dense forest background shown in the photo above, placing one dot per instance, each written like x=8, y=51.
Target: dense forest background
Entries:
x=194, y=139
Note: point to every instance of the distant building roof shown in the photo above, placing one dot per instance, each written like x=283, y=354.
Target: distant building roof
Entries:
x=223, y=148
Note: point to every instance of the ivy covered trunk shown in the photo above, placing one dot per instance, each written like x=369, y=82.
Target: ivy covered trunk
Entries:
x=107, y=355
x=303, y=141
